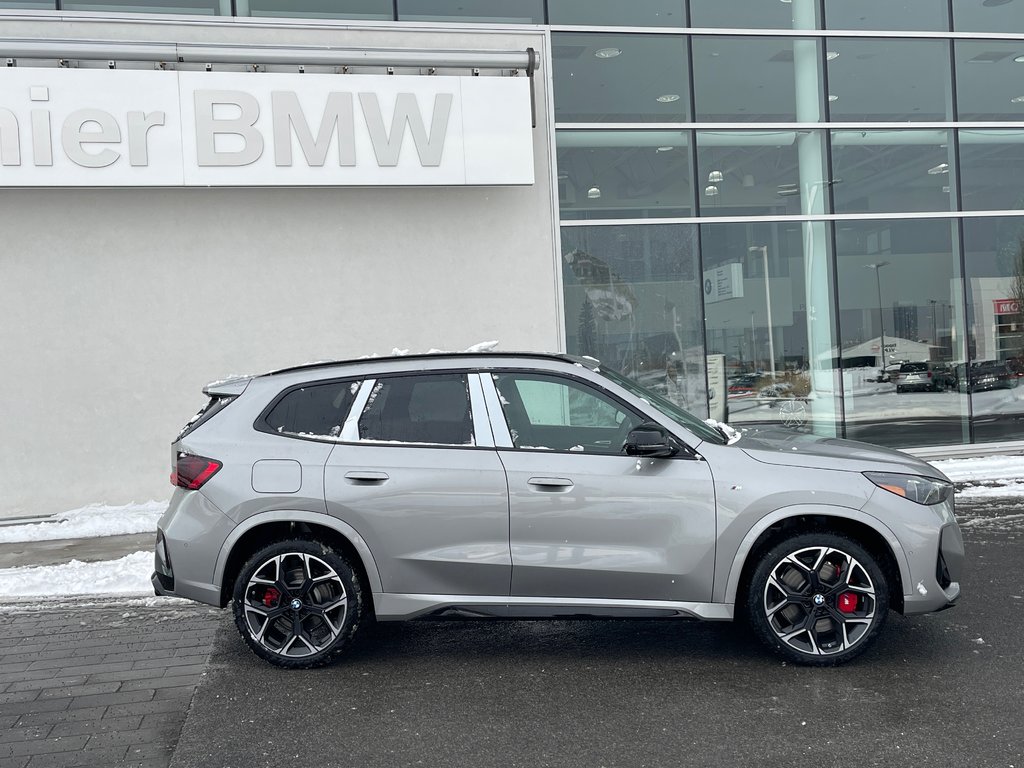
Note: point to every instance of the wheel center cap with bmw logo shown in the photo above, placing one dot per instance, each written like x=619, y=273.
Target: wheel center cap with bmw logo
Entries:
x=296, y=604
x=819, y=600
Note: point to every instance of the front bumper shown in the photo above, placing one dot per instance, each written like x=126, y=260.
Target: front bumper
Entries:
x=939, y=589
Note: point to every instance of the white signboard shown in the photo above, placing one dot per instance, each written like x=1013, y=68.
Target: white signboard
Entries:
x=725, y=282
x=125, y=128
x=717, y=391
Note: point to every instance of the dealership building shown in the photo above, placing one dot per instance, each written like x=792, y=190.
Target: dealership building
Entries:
x=763, y=209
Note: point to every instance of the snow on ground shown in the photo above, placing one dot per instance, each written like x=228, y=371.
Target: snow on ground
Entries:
x=1005, y=468
x=128, y=575
x=88, y=522
x=985, y=477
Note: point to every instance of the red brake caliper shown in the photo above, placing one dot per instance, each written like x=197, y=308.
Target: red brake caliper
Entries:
x=271, y=596
x=848, y=602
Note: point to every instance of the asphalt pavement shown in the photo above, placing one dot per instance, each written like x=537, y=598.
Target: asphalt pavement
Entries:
x=120, y=683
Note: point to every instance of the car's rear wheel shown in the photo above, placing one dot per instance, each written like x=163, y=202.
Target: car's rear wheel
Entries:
x=298, y=603
x=818, y=599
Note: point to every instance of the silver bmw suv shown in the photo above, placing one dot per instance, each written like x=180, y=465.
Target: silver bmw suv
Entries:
x=317, y=498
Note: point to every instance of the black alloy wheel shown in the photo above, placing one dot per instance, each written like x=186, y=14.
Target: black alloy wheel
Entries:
x=818, y=599
x=298, y=603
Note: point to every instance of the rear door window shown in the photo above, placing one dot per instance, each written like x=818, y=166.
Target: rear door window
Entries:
x=315, y=410
x=428, y=409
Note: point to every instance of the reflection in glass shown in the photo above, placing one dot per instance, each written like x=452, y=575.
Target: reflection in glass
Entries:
x=632, y=301
x=31, y=5
x=193, y=7
x=988, y=16
x=495, y=11
x=989, y=80
x=620, y=78
x=994, y=251
x=624, y=174
x=892, y=171
x=990, y=169
x=752, y=79
x=889, y=80
x=887, y=14
x=760, y=172
x=768, y=311
x=754, y=14
x=319, y=9
x=612, y=13
x=895, y=278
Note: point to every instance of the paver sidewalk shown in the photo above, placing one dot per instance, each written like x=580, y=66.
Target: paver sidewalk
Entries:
x=107, y=685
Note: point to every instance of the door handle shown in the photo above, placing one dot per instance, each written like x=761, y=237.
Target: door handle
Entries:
x=551, y=484
x=366, y=478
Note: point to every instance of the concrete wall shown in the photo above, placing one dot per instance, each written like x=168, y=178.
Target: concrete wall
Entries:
x=117, y=306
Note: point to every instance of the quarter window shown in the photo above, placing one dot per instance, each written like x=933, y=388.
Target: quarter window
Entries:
x=553, y=413
x=431, y=409
x=314, y=411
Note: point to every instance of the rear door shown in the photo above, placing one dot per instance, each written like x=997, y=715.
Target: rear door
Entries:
x=418, y=477
x=587, y=521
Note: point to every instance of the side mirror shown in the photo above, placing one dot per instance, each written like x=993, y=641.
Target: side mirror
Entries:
x=651, y=441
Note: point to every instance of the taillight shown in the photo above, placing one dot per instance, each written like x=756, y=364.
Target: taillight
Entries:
x=192, y=472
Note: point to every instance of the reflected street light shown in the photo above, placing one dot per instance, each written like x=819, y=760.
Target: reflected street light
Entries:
x=881, y=325
x=768, y=302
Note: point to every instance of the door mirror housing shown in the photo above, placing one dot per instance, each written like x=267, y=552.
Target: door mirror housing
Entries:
x=650, y=440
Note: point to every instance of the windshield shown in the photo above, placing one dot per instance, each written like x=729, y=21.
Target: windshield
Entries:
x=673, y=411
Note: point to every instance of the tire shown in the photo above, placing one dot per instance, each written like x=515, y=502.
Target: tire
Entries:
x=818, y=599
x=298, y=603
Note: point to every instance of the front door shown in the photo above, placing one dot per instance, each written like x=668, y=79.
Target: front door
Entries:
x=587, y=521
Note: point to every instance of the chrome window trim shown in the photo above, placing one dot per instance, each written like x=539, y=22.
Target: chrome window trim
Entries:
x=350, y=430
x=483, y=436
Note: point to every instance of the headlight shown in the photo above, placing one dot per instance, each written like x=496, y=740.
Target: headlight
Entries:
x=923, y=490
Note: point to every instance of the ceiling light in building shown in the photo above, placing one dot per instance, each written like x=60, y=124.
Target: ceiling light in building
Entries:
x=939, y=169
x=831, y=55
x=787, y=2
x=787, y=190
x=715, y=176
x=607, y=53
x=664, y=149
x=563, y=176
x=1017, y=100
x=594, y=193
x=668, y=98
x=946, y=188
x=710, y=190
x=833, y=97
x=1019, y=59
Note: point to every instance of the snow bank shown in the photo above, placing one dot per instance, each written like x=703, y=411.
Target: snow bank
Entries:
x=990, y=491
x=982, y=468
x=128, y=575
x=88, y=522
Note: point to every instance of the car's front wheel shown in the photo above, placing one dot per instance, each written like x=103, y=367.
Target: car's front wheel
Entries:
x=818, y=598
x=298, y=603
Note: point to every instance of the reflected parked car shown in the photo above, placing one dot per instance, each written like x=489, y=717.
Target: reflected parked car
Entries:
x=920, y=377
x=315, y=500
x=986, y=375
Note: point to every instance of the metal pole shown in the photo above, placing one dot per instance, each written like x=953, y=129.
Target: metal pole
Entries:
x=768, y=301
x=881, y=321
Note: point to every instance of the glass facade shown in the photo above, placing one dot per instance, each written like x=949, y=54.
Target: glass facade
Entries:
x=816, y=206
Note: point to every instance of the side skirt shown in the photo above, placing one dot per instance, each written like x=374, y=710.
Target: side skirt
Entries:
x=398, y=607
